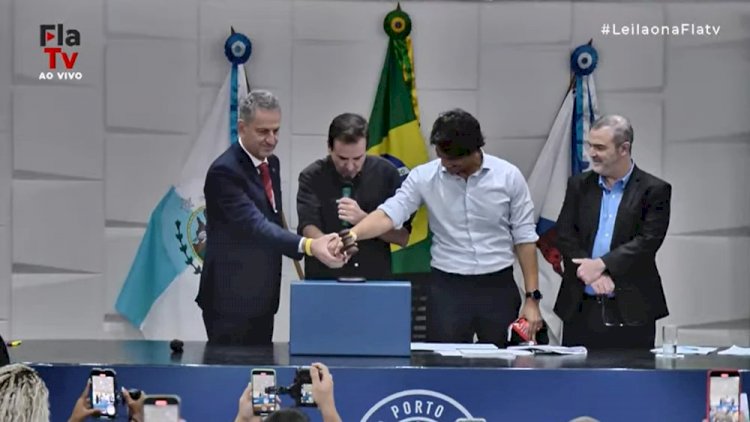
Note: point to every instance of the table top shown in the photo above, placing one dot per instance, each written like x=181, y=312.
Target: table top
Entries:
x=142, y=352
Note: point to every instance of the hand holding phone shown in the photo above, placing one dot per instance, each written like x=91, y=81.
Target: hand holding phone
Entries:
x=264, y=402
x=303, y=381
x=103, y=388
x=161, y=408
x=723, y=395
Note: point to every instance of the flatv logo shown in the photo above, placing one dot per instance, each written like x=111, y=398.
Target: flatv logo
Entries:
x=416, y=406
x=56, y=42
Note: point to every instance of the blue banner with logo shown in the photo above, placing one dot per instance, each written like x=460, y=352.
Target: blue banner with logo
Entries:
x=405, y=394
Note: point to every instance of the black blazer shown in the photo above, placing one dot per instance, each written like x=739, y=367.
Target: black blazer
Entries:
x=245, y=241
x=640, y=227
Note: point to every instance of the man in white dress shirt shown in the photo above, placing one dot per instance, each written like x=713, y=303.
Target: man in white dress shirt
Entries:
x=481, y=217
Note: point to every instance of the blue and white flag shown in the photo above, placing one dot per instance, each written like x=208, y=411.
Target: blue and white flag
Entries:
x=159, y=293
x=562, y=155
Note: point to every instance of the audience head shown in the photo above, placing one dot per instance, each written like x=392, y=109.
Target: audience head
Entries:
x=23, y=395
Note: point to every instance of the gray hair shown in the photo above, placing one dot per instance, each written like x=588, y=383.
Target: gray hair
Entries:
x=256, y=99
x=23, y=395
x=622, y=130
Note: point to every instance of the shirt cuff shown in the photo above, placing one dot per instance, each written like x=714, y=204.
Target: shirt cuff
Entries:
x=524, y=235
x=392, y=213
x=301, y=246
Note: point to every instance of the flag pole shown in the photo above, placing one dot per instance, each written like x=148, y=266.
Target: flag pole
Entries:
x=297, y=266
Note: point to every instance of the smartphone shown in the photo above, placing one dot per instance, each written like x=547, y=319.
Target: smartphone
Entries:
x=161, y=408
x=103, y=388
x=723, y=395
x=304, y=380
x=264, y=402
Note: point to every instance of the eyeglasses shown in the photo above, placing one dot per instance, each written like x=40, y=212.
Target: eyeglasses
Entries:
x=612, y=316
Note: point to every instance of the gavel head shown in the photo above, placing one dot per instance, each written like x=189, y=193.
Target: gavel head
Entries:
x=350, y=244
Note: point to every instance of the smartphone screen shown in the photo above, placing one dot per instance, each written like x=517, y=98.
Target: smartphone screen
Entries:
x=263, y=402
x=723, y=396
x=306, y=398
x=161, y=409
x=103, y=392
x=304, y=380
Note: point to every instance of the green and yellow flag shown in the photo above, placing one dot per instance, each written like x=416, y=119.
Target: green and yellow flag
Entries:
x=394, y=133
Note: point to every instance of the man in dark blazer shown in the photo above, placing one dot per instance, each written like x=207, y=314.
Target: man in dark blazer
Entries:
x=241, y=277
x=611, y=224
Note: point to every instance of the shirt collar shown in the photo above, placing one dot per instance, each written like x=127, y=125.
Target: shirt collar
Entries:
x=484, y=167
x=256, y=162
x=622, y=182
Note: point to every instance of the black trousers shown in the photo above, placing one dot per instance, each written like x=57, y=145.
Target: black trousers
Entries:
x=461, y=305
x=233, y=330
x=596, y=331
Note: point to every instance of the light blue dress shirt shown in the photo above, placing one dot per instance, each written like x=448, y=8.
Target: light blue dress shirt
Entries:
x=476, y=222
x=607, y=215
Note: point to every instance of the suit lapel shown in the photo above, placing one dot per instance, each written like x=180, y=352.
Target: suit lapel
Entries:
x=246, y=164
x=628, y=203
x=273, y=162
x=593, y=197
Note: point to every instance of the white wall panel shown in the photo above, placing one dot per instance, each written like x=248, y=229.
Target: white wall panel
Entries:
x=58, y=130
x=52, y=306
x=705, y=278
x=59, y=224
x=152, y=85
x=5, y=273
x=140, y=171
x=709, y=185
x=341, y=21
x=446, y=44
x=705, y=97
x=525, y=23
x=522, y=89
x=144, y=18
x=323, y=88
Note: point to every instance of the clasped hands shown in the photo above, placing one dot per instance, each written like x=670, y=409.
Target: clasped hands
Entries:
x=591, y=272
x=335, y=249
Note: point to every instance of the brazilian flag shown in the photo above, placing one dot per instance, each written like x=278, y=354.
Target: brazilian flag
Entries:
x=394, y=133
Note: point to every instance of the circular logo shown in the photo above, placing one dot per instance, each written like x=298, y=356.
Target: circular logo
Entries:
x=196, y=232
x=416, y=406
x=397, y=24
x=238, y=48
x=403, y=171
x=583, y=60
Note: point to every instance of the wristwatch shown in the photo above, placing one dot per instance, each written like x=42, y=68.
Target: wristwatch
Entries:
x=536, y=295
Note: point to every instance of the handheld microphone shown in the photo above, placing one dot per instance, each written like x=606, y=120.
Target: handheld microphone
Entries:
x=346, y=192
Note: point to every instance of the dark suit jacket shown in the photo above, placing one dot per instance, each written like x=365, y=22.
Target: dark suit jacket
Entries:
x=640, y=227
x=245, y=241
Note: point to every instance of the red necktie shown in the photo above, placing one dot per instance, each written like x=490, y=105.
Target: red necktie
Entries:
x=266, y=176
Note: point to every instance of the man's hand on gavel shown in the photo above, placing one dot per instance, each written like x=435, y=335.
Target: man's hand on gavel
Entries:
x=349, y=242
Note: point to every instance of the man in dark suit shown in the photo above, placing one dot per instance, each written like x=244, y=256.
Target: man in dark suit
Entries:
x=241, y=278
x=611, y=224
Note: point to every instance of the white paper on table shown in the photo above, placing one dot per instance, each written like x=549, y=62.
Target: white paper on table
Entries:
x=688, y=350
x=736, y=351
x=498, y=354
x=434, y=347
x=448, y=353
x=555, y=350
